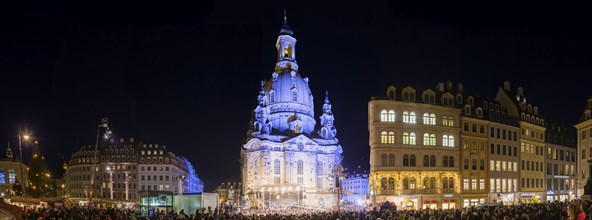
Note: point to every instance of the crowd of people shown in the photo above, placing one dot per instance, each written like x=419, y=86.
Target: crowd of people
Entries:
x=577, y=210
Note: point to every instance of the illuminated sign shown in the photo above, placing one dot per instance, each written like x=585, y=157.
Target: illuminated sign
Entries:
x=561, y=177
x=447, y=195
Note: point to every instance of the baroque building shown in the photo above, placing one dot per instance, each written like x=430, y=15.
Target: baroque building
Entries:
x=287, y=159
x=10, y=173
x=414, y=147
x=561, y=161
x=354, y=188
x=584, y=128
x=123, y=169
x=532, y=142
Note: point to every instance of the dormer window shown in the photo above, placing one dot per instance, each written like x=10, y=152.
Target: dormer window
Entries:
x=467, y=110
x=479, y=112
x=471, y=101
x=459, y=99
x=294, y=95
x=485, y=105
x=271, y=96
x=297, y=129
x=405, y=96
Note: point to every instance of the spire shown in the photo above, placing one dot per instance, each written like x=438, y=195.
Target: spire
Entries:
x=327, y=105
x=285, y=18
x=9, y=151
x=261, y=97
x=286, y=30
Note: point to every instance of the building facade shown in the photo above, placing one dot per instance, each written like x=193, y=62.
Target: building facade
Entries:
x=287, y=159
x=414, y=148
x=474, y=170
x=229, y=193
x=354, y=189
x=125, y=168
x=532, y=142
x=584, y=128
x=10, y=173
x=561, y=156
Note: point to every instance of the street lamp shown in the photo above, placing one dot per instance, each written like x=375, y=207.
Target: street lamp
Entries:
x=20, y=137
x=104, y=124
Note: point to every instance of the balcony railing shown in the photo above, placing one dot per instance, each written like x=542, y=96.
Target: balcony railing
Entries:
x=447, y=190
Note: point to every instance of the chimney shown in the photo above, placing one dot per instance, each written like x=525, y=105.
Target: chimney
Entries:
x=449, y=85
x=459, y=87
x=520, y=91
x=440, y=87
x=507, y=86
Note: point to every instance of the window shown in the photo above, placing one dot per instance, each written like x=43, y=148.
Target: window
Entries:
x=482, y=165
x=383, y=160
x=406, y=117
x=2, y=178
x=391, y=116
x=391, y=184
x=448, y=141
x=391, y=160
x=300, y=167
x=412, y=160
x=411, y=118
x=271, y=96
x=465, y=184
x=426, y=118
x=433, y=161
x=319, y=168
x=276, y=166
x=451, y=161
x=426, y=161
x=466, y=126
x=474, y=128
x=474, y=164
x=405, y=138
x=445, y=183
x=412, y=138
x=473, y=184
x=466, y=164
x=391, y=137
x=294, y=95
x=383, y=116
x=405, y=160
x=445, y=161
x=481, y=129
x=405, y=183
x=383, y=137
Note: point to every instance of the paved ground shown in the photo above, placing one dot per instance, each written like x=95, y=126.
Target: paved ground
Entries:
x=5, y=215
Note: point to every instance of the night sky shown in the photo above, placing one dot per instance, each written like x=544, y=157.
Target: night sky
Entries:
x=187, y=75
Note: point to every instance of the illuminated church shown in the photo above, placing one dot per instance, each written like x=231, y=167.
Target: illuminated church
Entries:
x=287, y=159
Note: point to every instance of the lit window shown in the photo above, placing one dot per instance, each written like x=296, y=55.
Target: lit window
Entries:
x=391, y=137
x=294, y=95
x=412, y=138
x=300, y=167
x=405, y=138
x=276, y=166
x=383, y=137
x=391, y=116
x=406, y=117
x=383, y=116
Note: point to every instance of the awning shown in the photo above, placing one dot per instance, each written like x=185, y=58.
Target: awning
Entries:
x=434, y=202
x=426, y=202
x=444, y=201
x=452, y=200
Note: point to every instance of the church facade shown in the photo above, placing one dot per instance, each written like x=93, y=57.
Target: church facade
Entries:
x=287, y=159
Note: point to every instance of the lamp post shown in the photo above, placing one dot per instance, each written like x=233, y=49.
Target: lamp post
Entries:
x=104, y=124
x=26, y=137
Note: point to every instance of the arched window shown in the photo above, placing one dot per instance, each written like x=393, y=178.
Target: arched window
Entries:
x=406, y=183
x=445, y=140
x=412, y=183
x=319, y=168
x=445, y=161
x=391, y=183
x=300, y=167
x=432, y=140
x=445, y=183
x=432, y=183
x=451, y=183
x=433, y=119
x=383, y=160
x=412, y=118
x=391, y=160
x=405, y=138
x=405, y=160
x=426, y=139
x=294, y=95
x=433, y=161
x=426, y=182
x=426, y=161
x=412, y=138
x=272, y=96
x=383, y=137
x=383, y=183
x=451, y=161
x=450, y=141
x=383, y=115
x=426, y=118
x=276, y=166
x=11, y=177
x=406, y=117
x=391, y=137
x=412, y=160
x=391, y=116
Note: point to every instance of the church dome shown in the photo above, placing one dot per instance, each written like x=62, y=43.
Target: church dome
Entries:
x=286, y=30
x=289, y=97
